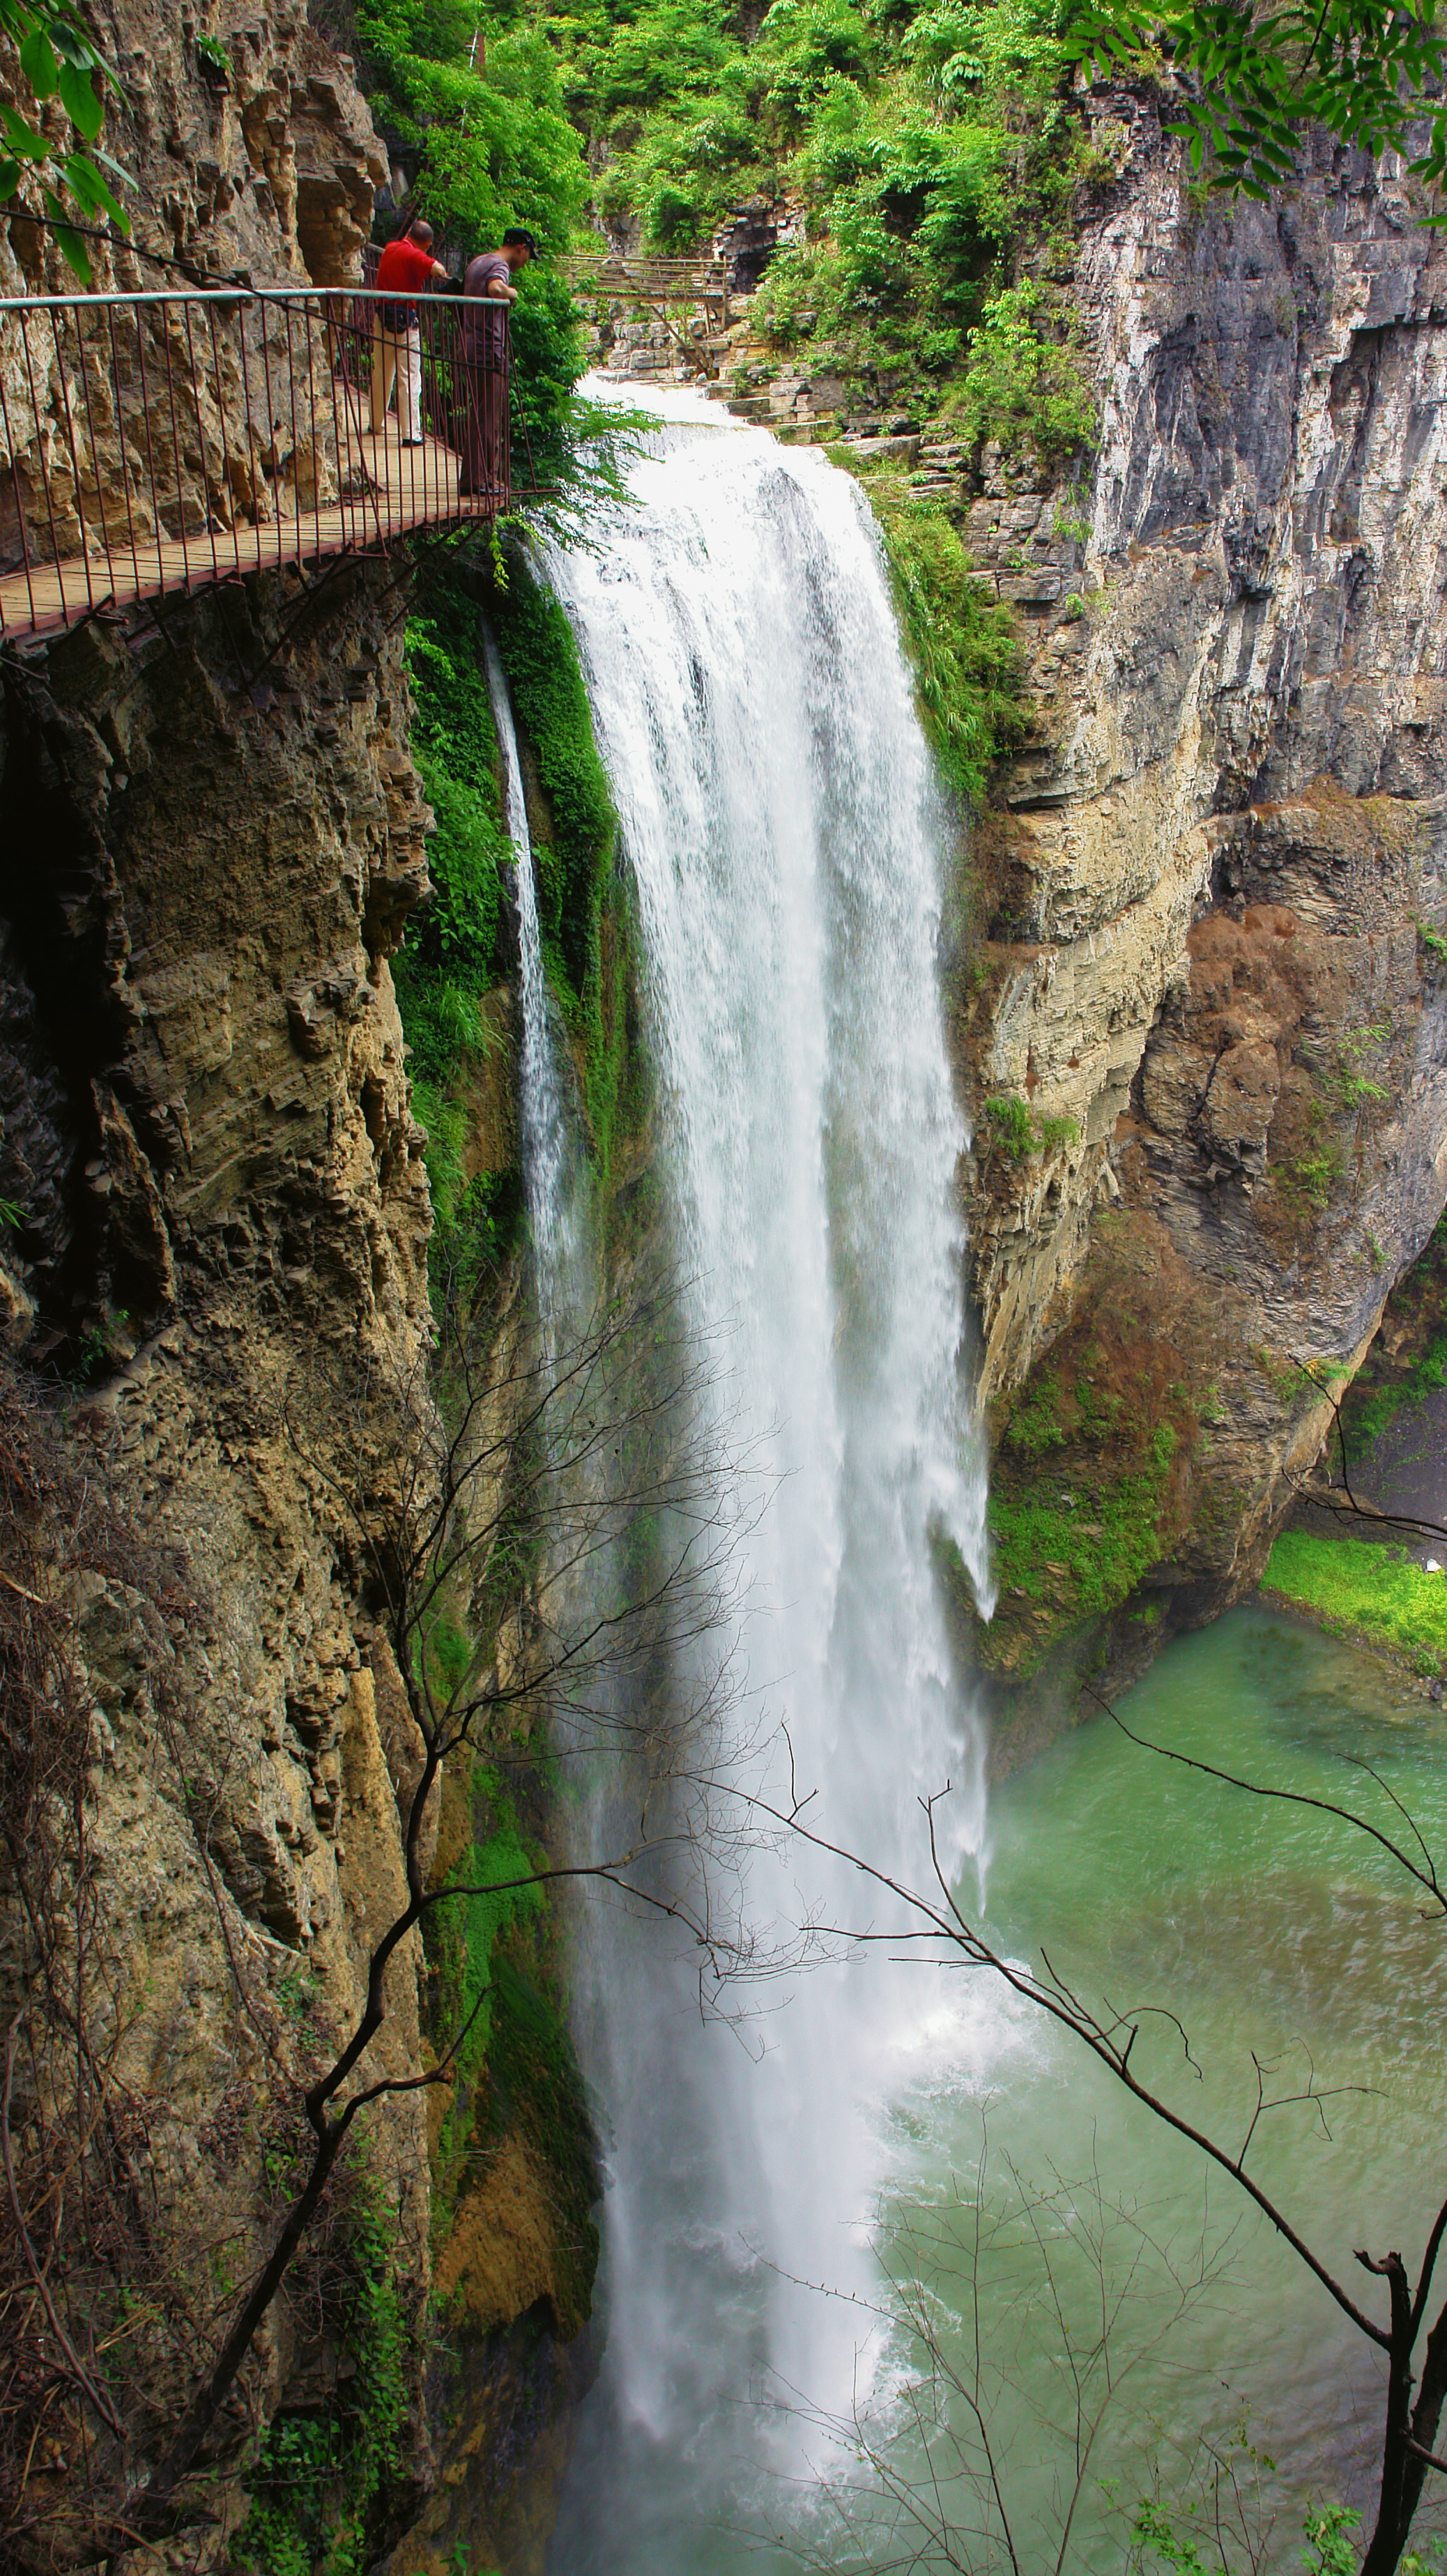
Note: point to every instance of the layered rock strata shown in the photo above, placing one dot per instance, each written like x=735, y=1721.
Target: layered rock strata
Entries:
x=1214, y=887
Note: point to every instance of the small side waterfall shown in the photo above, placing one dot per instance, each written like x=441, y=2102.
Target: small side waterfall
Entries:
x=786, y=843
x=549, y=1140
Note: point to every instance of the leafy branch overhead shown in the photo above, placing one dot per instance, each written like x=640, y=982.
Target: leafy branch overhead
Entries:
x=60, y=62
x=1370, y=71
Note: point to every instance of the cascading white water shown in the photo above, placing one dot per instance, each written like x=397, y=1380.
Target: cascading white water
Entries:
x=549, y=1140
x=786, y=843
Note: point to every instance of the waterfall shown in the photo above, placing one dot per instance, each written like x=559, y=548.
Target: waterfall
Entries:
x=787, y=843
x=549, y=1132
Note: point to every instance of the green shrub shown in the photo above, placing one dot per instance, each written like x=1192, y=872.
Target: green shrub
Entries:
x=963, y=649
x=461, y=1935
x=574, y=854
x=1024, y=380
x=1087, y=1559
x=1035, y=1424
x=1015, y=1131
x=1012, y=1127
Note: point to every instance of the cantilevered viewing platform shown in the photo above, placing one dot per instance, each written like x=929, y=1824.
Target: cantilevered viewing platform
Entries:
x=160, y=444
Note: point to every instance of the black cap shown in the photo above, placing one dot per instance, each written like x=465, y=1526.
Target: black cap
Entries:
x=516, y=234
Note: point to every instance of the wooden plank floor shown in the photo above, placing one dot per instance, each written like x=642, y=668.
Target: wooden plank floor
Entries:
x=387, y=490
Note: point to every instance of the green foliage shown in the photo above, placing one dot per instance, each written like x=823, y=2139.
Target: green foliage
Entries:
x=573, y=859
x=449, y=961
x=1350, y=1086
x=498, y=148
x=537, y=2083
x=317, y=2480
x=1329, y=2550
x=1024, y=379
x=1311, y=1178
x=213, y=54
x=1036, y=1424
x=583, y=909
x=1012, y=1127
x=1363, y=1589
x=1434, y=944
x=1417, y=1366
x=925, y=148
x=297, y=1991
x=1155, y=2542
x=452, y=1652
x=480, y=99
x=61, y=63
x=1370, y=71
x=1093, y=1476
x=1346, y=1095
x=498, y=1873
x=1086, y=1559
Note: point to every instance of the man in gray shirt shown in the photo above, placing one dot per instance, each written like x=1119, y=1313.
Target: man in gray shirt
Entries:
x=487, y=292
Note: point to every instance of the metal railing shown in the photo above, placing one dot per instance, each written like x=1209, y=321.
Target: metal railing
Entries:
x=160, y=443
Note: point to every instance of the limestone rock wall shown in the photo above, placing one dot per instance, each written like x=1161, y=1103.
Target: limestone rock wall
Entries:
x=215, y=1267
x=1205, y=887
x=266, y=169
x=212, y=1291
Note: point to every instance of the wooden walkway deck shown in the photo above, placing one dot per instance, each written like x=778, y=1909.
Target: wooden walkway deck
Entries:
x=387, y=490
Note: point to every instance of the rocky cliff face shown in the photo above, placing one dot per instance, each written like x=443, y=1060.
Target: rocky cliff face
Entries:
x=219, y=1217
x=1213, y=890
x=264, y=169
x=213, y=1293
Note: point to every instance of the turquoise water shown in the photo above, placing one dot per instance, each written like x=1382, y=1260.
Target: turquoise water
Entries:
x=1108, y=2314
x=1134, y=2311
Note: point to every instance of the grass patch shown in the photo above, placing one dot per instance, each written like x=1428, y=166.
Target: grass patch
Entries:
x=320, y=2480
x=1084, y=1558
x=450, y=959
x=1357, y=1588
x=573, y=852
x=584, y=906
x=1011, y=1128
x=537, y=2085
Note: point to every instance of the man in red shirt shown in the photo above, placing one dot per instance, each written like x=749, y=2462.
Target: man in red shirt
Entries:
x=405, y=269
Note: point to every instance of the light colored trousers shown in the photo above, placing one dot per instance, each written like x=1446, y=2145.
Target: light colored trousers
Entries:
x=399, y=354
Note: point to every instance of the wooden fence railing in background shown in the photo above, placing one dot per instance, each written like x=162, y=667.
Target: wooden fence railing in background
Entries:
x=159, y=443
x=651, y=281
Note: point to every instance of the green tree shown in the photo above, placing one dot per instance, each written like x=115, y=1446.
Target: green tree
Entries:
x=483, y=106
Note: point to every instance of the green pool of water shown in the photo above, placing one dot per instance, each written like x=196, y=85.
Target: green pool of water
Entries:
x=1136, y=2321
